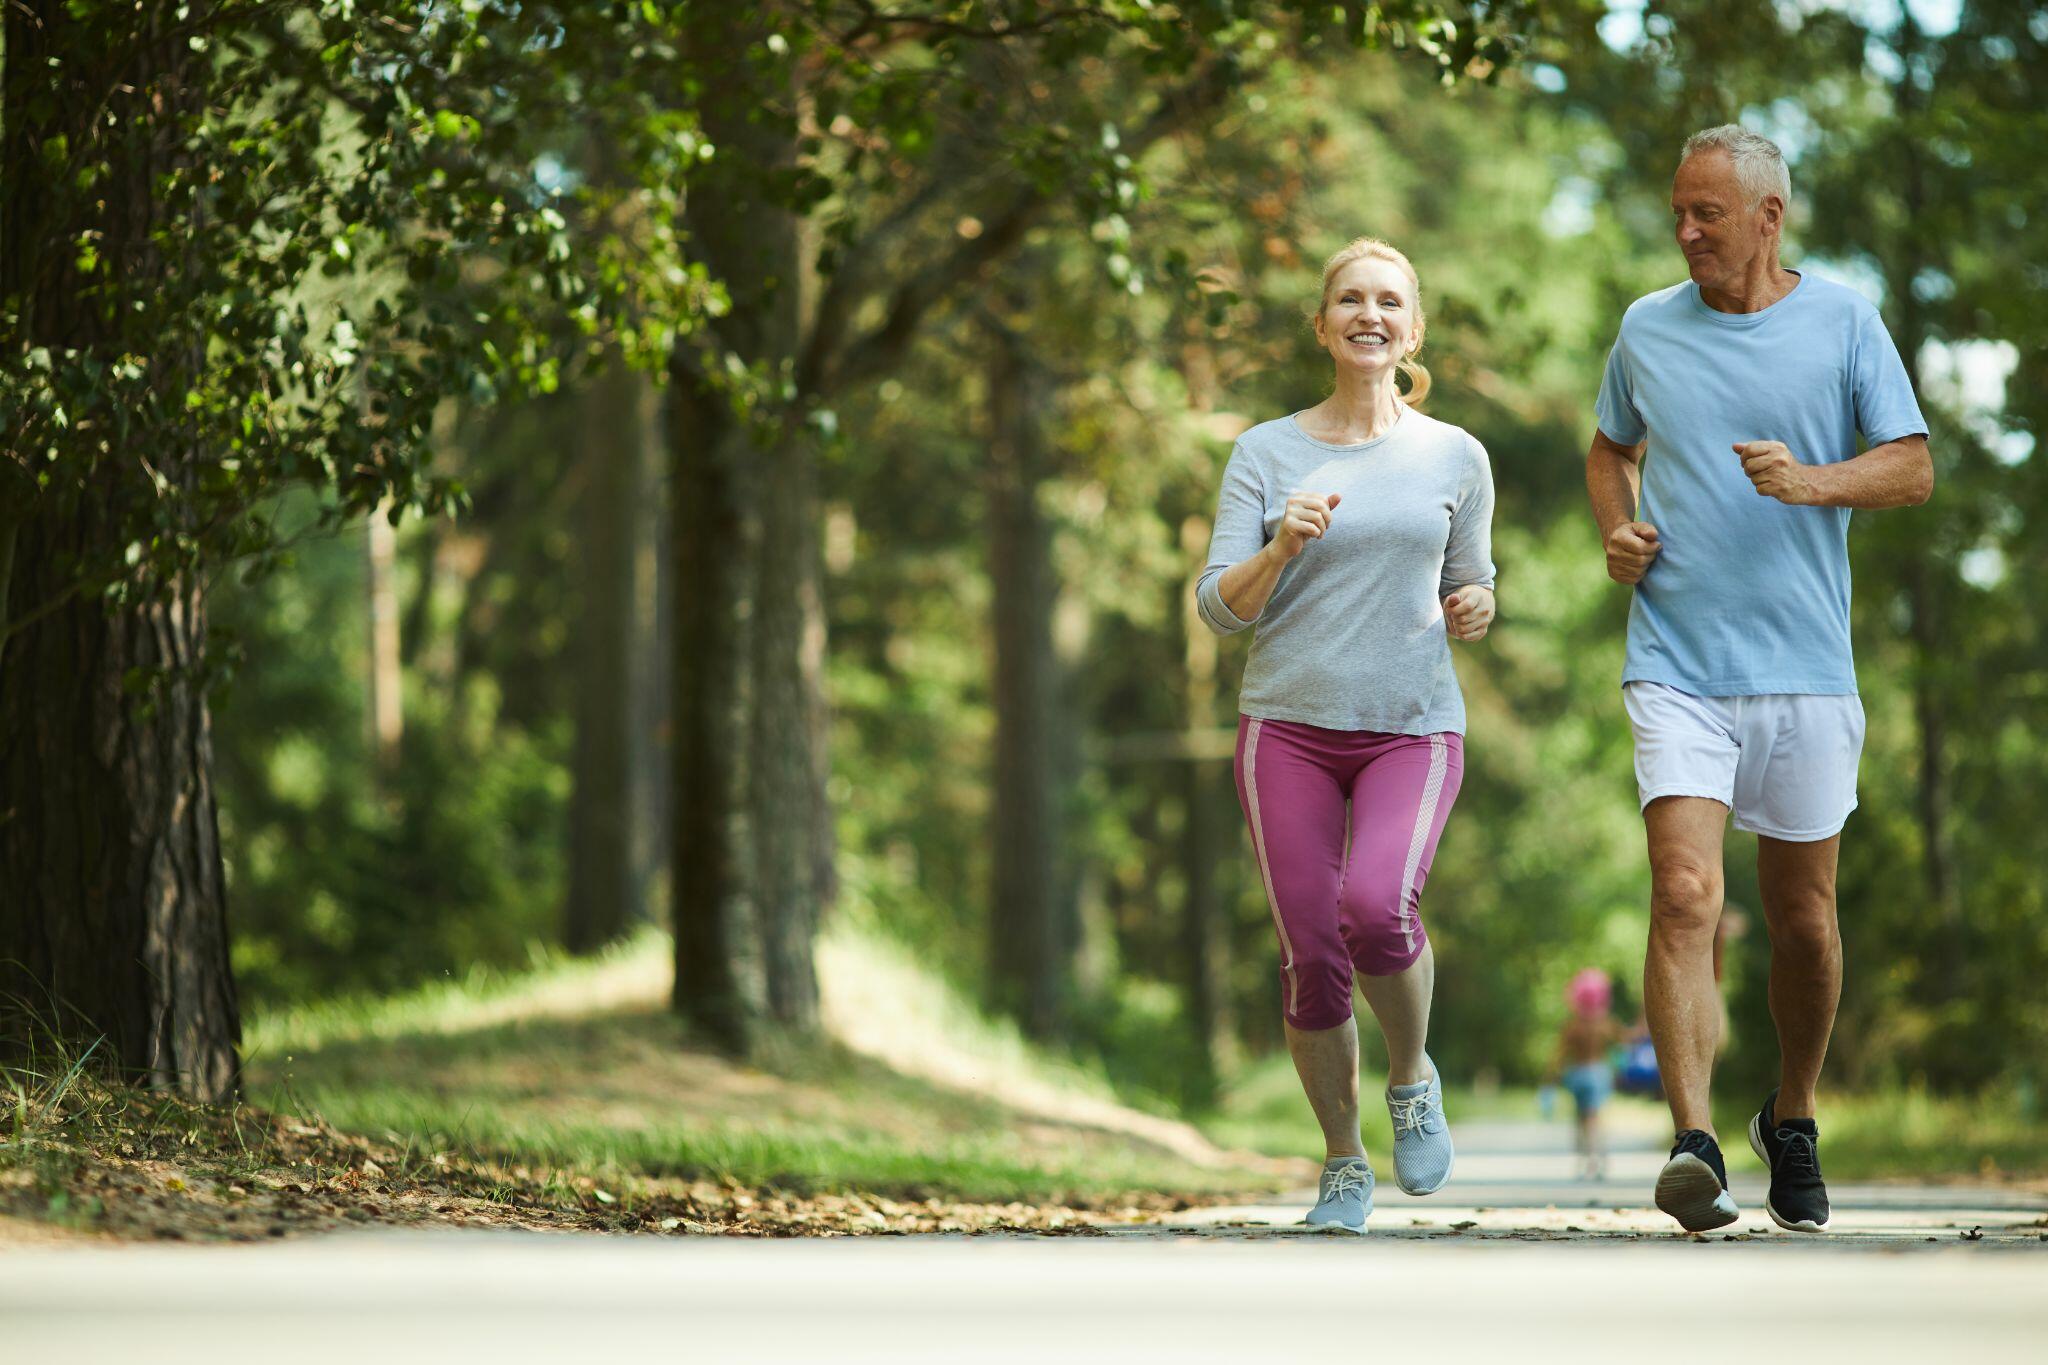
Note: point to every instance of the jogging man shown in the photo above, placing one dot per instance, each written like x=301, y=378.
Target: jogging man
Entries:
x=1722, y=476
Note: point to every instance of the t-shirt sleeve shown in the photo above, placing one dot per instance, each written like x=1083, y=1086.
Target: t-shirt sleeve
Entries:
x=1468, y=553
x=1885, y=406
x=1238, y=534
x=1616, y=406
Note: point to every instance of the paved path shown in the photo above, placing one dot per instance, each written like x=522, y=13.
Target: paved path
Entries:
x=1519, y=1283
x=1518, y=1180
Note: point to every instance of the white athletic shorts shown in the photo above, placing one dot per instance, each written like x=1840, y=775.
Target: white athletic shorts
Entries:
x=1785, y=763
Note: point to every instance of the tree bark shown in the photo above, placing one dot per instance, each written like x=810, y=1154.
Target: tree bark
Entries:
x=603, y=882
x=1031, y=911
x=715, y=540
x=752, y=837
x=113, y=925
x=115, y=919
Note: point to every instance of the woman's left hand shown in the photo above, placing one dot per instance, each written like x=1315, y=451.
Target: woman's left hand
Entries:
x=1468, y=612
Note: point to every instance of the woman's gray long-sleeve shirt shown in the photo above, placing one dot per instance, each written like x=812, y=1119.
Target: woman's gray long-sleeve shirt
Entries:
x=1353, y=636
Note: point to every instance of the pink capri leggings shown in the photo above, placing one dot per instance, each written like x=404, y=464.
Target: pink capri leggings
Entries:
x=1343, y=884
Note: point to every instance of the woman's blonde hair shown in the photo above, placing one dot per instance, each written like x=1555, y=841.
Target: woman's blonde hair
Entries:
x=1361, y=248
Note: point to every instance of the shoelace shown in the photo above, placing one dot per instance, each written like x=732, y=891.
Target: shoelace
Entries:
x=1342, y=1181
x=1409, y=1115
x=1799, y=1149
x=1697, y=1143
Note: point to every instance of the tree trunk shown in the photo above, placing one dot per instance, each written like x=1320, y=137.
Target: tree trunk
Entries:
x=1909, y=256
x=787, y=804
x=603, y=885
x=1203, y=832
x=1031, y=926
x=653, y=739
x=115, y=919
x=114, y=922
x=752, y=836
x=387, y=676
x=715, y=538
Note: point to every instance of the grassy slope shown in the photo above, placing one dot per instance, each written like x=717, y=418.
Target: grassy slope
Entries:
x=579, y=1066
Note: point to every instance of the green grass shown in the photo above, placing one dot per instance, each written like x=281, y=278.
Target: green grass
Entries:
x=981, y=1167
x=551, y=980
x=577, y=1067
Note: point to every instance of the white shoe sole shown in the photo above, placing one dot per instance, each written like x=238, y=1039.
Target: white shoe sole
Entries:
x=1358, y=1231
x=1689, y=1191
x=1756, y=1144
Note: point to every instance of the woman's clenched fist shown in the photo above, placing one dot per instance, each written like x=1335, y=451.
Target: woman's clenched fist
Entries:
x=1307, y=517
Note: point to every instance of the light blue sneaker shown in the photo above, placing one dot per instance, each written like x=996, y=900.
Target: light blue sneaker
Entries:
x=1422, y=1135
x=1343, y=1196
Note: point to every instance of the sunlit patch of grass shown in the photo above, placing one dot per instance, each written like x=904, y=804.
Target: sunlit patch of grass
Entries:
x=881, y=1001
x=553, y=984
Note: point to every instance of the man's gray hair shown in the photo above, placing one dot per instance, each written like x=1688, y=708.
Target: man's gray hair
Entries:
x=1759, y=165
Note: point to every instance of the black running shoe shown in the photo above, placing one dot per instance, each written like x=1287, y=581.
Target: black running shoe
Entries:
x=1693, y=1186
x=1798, y=1200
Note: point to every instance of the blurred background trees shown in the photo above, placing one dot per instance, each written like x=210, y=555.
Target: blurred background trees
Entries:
x=846, y=446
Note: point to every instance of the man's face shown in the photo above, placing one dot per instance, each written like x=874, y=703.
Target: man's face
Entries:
x=1718, y=233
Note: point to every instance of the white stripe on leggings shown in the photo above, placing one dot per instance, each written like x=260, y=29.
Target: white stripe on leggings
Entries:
x=1251, y=790
x=1425, y=815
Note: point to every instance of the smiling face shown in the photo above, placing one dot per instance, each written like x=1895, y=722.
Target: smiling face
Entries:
x=1369, y=322
x=1719, y=233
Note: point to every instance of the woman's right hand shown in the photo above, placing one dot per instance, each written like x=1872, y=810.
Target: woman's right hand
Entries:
x=1306, y=518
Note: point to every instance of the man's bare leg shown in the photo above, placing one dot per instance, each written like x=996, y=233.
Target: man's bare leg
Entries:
x=1797, y=882
x=1679, y=993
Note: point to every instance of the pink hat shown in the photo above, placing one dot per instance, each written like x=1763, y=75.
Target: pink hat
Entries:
x=1590, y=993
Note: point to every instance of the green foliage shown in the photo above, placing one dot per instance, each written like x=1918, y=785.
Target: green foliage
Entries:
x=344, y=878
x=263, y=245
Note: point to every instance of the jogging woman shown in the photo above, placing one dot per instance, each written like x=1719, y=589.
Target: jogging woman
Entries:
x=1357, y=536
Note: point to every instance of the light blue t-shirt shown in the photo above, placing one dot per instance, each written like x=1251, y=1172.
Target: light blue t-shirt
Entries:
x=1748, y=596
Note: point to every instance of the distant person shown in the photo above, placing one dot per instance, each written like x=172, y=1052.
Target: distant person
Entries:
x=1582, y=1066
x=1357, y=535
x=1635, y=1071
x=1722, y=476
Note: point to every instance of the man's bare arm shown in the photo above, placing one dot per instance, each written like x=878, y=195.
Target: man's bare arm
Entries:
x=1896, y=474
x=1614, y=479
